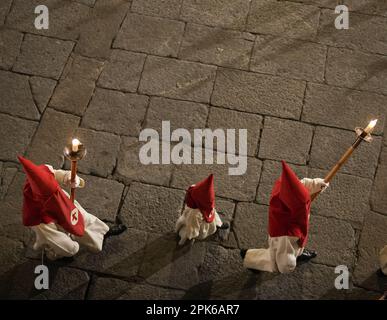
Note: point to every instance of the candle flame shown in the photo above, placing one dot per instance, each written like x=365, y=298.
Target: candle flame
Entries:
x=76, y=142
x=373, y=123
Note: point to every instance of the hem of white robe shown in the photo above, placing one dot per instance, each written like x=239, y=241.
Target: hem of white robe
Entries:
x=268, y=260
x=93, y=237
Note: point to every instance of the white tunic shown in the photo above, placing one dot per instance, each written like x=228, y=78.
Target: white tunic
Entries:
x=191, y=225
x=281, y=256
x=57, y=242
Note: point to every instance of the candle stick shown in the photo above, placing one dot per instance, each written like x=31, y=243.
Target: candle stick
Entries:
x=362, y=134
x=74, y=152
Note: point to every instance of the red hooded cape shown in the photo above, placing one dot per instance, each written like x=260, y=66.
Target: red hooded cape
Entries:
x=202, y=196
x=45, y=202
x=289, y=207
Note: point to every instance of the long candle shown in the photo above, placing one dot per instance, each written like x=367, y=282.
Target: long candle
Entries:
x=347, y=154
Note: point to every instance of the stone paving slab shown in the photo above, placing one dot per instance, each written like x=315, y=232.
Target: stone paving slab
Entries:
x=7, y=173
x=103, y=149
x=51, y=137
x=152, y=208
x=128, y=108
x=18, y=100
x=167, y=264
x=49, y=63
x=356, y=70
x=10, y=41
x=230, y=14
x=152, y=35
x=123, y=71
x=172, y=78
x=378, y=199
x=4, y=8
x=334, y=241
x=250, y=225
x=162, y=8
x=17, y=143
x=292, y=140
x=181, y=114
x=68, y=18
x=291, y=58
x=65, y=283
x=101, y=197
x=222, y=276
x=129, y=168
x=110, y=288
x=100, y=28
x=121, y=255
x=42, y=90
x=258, y=93
x=11, y=210
x=220, y=118
x=329, y=145
x=365, y=33
x=367, y=6
x=294, y=20
x=372, y=240
x=76, y=87
x=346, y=108
x=345, y=199
x=224, y=48
x=319, y=3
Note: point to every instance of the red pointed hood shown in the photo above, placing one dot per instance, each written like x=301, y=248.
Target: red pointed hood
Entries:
x=45, y=202
x=202, y=196
x=39, y=178
x=289, y=207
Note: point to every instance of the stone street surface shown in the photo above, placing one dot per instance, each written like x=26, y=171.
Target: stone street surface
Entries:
x=106, y=69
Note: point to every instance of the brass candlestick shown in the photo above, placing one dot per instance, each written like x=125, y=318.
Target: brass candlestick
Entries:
x=74, y=151
x=362, y=135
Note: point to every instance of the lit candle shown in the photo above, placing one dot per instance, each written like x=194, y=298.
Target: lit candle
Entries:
x=371, y=126
x=75, y=144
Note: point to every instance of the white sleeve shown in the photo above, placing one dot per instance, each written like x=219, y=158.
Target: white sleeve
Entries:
x=64, y=178
x=314, y=185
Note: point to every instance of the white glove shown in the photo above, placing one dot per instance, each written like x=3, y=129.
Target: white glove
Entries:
x=79, y=183
x=315, y=185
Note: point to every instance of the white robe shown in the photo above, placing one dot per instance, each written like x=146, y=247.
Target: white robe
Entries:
x=191, y=225
x=383, y=260
x=57, y=242
x=281, y=256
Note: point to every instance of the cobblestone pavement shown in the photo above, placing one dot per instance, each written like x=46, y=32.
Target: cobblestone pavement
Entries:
x=105, y=69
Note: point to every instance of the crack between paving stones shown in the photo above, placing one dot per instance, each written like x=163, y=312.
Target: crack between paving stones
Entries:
x=254, y=113
x=124, y=194
x=87, y=291
x=33, y=98
x=20, y=117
